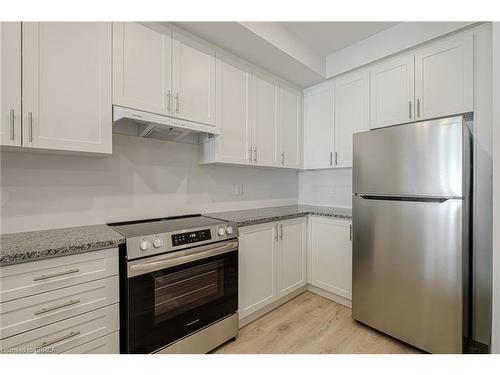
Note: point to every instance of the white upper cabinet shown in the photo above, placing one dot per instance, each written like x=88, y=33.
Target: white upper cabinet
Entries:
x=66, y=86
x=142, y=67
x=351, y=113
x=291, y=258
x=290, y=115
x=233, y=115
x=331, y=255
x=10, y=83
x=444, y=76
x=318, y=127
x=265, y=129
x=392, y=92
x=193, y=80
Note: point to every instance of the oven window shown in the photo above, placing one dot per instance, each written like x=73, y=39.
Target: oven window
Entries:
x=187, y=289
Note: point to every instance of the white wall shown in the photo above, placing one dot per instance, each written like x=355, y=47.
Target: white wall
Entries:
x=329, y=187
x=144, y=178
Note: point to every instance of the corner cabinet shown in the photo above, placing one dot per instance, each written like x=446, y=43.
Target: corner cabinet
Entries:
x=351, y=113
x=318, y=127
x=272, y=263
x=66, y=86
x=162, y=71
x=331, y=256
x=260, y=121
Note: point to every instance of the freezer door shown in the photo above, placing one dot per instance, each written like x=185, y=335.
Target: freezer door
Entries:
x=407, y=270
x=423, y=158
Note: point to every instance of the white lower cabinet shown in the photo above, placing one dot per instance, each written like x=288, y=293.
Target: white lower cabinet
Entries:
x=65, y=304
x=331, y=255
x=272, y=263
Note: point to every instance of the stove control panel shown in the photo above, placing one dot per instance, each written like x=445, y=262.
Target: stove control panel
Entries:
x=191, y=237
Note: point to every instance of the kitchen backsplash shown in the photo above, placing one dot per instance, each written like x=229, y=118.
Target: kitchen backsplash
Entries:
x=144, y=178
x=329, y=187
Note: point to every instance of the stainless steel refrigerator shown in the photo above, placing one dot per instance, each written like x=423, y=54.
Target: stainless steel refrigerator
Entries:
x=411, y=225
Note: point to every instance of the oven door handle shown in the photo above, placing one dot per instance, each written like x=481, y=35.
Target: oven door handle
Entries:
x=180, y=257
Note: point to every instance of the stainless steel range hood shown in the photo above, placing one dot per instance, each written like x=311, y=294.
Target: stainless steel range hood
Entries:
x=151, y=125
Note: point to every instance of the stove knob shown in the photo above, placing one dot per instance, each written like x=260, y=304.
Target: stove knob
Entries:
x=145, y=245
x=221, y=231
x=229, y=230
x=158, y=243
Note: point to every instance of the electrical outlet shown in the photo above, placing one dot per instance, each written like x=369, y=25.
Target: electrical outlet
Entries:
x=239, y=190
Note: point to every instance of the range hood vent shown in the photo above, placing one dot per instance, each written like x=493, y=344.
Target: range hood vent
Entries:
x=151, y=125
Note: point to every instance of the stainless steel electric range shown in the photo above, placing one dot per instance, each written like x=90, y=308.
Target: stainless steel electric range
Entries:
x=179, y=284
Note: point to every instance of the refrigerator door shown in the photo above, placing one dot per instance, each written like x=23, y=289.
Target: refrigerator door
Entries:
x=407, y=270
x=417, y=159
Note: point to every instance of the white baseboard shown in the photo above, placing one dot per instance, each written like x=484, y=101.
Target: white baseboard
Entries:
x=329, y=295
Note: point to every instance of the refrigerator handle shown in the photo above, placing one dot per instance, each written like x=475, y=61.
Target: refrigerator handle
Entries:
x=406, y=198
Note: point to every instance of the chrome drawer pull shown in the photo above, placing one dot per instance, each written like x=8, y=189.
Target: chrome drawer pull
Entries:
x=55, y=341
x=45, y=277
x=12, y=124
x=30, y=124
x=49, y=309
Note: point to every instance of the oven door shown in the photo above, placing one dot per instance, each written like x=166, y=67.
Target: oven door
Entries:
x=173, y=295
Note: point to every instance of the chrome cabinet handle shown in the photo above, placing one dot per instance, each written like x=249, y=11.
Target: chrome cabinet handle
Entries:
x=250, y=154
x=30, y=124
x=255, y=154
x=331, y=158
x=350, y=232
x=177, y=103
x=276, y=228
x=11, y=119
x=169, y=99
x=283, y=158
x=55, y=341
x=57, y=307
x=336, y=158
x=45, y=277
x=418, y=108
x=409, y=109
x=281, y=231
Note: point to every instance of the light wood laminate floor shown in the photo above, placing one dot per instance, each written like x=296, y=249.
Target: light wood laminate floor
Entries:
x=311, y=324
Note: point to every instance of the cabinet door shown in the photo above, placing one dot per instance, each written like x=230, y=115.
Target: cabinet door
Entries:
x=265, y=134
x=10, y=83
x=318, y=127
x=193, y=80
x=444, y=78
x=392, y=92
x=331, y=256
x=142, y=67
x=291, y=256
x=290, y=110
x=351, y=102
x=257, y=265
x=233, y=113
x=67, y=86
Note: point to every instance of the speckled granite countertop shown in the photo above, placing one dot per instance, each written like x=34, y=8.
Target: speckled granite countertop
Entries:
x=264, y=215
x=29, y=246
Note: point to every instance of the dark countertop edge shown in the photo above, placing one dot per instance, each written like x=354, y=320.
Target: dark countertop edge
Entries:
x=37, y=255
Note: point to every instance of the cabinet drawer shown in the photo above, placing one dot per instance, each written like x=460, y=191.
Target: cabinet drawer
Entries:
x=32, y=312
x=64, y=335
x=26, y=279
x=109, y=344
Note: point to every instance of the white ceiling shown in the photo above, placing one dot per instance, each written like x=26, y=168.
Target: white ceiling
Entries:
x=326, y=38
